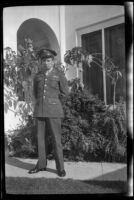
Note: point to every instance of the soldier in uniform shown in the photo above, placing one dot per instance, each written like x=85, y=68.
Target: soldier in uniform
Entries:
x=48, y=84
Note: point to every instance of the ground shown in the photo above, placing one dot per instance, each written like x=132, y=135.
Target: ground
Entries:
x=82, y=177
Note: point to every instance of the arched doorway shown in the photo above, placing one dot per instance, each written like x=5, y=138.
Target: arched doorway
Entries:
x=41, y=34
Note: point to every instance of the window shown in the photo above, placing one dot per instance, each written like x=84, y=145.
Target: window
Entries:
x=115, y=49
x=107, y=38
x=93, y=77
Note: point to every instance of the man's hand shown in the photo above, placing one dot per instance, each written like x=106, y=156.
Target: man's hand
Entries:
x=81, y=85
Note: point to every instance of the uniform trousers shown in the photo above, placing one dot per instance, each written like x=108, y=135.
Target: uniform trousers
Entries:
x=54, y=125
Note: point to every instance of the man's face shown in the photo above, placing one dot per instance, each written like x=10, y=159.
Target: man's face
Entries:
x=48, y=63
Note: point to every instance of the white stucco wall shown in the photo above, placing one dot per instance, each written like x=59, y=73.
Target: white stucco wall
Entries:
x=85, y=15
x=64, y=20
x=13, y=17
x=81, y=16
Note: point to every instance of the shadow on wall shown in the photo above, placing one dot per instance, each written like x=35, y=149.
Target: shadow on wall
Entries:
x=40, y=33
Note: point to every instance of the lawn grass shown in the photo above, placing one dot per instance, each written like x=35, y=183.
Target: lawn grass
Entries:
x=16, y=185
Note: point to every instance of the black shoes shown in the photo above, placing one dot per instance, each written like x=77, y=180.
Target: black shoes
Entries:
x=36, y=170
x=62, y=173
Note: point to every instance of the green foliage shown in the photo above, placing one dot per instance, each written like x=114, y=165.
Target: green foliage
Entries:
x=77, y=56
x=19, y=68
x=90, y=131
x=23, y=142
x=19, y=71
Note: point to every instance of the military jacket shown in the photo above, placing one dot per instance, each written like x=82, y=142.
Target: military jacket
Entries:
x=46, y=90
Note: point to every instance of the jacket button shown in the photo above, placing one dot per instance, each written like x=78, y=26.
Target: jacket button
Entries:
x=45, y=85
x=45, y=79
x=44, y=91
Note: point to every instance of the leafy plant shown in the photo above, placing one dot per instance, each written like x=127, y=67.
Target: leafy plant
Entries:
x=19, y=71
x=77, y=56
x=23, y=142
x=90, y=130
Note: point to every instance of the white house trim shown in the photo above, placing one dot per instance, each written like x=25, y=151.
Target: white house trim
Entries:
x=98, y=26
x=104, y=72
x=62, y=33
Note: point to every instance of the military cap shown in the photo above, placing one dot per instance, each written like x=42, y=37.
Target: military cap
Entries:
x=46, y=53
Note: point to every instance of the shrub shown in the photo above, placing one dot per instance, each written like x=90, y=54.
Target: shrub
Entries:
x=24, y=140
x=90, y=130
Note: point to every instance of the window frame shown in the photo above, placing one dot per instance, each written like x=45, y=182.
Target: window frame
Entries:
x=95, y=27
